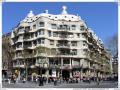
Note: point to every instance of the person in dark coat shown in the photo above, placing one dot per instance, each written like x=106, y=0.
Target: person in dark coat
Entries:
x=40, y=81
x=76, y=80
x=55, y=81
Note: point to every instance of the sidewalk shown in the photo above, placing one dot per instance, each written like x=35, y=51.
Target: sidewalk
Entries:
x=49, y=85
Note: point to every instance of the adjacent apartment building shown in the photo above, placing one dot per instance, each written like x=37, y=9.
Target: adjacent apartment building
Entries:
x=115, y=65
x=58, y=46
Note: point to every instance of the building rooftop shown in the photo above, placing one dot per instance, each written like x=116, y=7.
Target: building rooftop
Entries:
x=63, y=16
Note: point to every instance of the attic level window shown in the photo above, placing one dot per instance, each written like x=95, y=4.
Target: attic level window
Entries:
x=82, y=28
x=55, y=17
x=73, y=27
x=49, y=16
x=72, y=17
x=34, y=26
x=27, y=28
x=65, y=16
x=42, y=24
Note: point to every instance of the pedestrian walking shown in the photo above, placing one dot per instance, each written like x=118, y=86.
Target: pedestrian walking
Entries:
x=67, y=80
x=14, y=79
x=55, y=81
x=89, y=79
x=98, y=80
x=76, y=80
x=45, y=79
x=36, y=79
x=24, y=79
x=40, y=81
x=9, y=81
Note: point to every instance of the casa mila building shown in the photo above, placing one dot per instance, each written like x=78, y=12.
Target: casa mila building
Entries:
x=58, y=46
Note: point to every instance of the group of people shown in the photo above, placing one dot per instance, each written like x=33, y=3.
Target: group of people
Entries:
x=13, y=79
x=43, y=80
x=71, y=80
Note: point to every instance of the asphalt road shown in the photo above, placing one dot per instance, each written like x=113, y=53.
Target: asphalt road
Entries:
x=63, y=85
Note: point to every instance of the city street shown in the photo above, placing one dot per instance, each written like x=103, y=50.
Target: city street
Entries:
x=106, y=84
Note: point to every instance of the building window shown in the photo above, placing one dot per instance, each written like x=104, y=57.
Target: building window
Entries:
x=20, y=37
x=34, y=26
x=78, y=35
x=19, y=45
x=41, y=32
x=51, y=42
x=41, y=24
x=71, y=35
x=53, y=26
x=65, y=27
x=83, y=35
x=73, y=27
x=74, y=52
x=27, y=28
x=85, y=51
x=32, y=35
x=61, y=27
x=35, y=34
x=82, y=28
x=55, y=34
x=34, y=43
x=66, y=61
x=21, y=29
x=74, y=43
x=40, y=41
x=49, y=33
x=84, y=43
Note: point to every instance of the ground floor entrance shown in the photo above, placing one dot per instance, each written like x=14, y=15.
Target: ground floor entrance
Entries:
x=65, y=73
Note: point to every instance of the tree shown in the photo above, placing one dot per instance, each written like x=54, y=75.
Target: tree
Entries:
x=7, y=51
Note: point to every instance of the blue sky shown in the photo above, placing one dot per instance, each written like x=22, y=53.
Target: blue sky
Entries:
x=101, y=17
